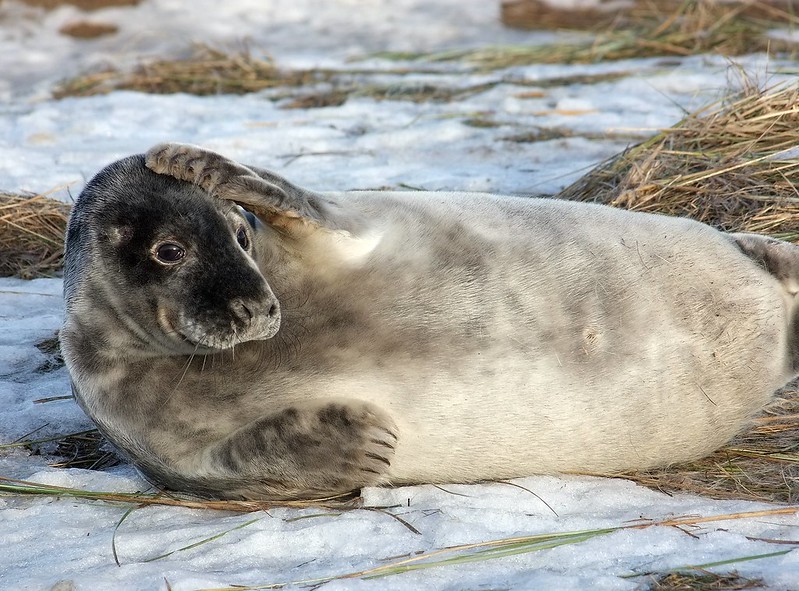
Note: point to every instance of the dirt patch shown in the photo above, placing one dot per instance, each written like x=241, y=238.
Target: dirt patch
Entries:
x=87, y=29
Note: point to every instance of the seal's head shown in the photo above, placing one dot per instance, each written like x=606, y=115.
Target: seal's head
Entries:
x=172, y=266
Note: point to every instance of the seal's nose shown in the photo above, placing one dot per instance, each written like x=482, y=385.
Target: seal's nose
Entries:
x=245, y=311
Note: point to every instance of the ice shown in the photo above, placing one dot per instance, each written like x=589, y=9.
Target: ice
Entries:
x=530, y=130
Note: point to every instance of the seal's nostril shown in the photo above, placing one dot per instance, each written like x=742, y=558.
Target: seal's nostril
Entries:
x=241, y=310
x=247, y=311
x=272, y=311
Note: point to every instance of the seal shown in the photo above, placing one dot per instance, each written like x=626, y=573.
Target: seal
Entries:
x=339, y=340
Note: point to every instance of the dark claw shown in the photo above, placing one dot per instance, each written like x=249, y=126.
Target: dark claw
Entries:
x=394, y=437
x=378, y=458
x=383, y=443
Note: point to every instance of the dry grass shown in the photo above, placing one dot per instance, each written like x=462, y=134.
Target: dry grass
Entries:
x=732, y=165
x=651, y=28
x=88, y=451
x=211, y=71
x=207, y=71
x=538, y=14
x=31, y=235
x=17, y=488
x=706, y=581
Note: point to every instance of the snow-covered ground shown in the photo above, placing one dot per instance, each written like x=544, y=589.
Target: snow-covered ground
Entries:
x=365, y=143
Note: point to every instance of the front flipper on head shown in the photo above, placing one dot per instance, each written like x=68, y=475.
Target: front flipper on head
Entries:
x=283, y=205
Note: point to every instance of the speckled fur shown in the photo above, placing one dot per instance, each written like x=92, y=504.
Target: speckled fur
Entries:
x=419, y=337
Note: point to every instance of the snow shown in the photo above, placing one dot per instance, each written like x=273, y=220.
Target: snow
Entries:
x=58, y=544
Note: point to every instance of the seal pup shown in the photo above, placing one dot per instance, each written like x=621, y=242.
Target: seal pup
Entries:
x=338, y=340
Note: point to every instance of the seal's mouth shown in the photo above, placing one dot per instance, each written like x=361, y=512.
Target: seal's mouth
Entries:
x=176, y=341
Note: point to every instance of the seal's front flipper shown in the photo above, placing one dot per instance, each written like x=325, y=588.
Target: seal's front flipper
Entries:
x=273, y=199
x=307, y=450
x=779, y=258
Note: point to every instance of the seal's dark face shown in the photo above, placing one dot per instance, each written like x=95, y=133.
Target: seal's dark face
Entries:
x=179, y=263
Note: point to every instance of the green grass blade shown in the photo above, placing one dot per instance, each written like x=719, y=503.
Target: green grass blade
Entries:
x=707, y=565
x=116, y=529
x=312, y=516
x=202, y=541
x=551, y=541
x=735, y=560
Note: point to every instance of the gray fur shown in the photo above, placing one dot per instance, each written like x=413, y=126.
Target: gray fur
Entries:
x=413, y=337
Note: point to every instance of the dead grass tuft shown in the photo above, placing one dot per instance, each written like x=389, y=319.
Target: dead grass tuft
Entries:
x=207, y=71
x=88, y=451
x=31, y=235
x=648, y=29
x=703, y=581
x=733, y=165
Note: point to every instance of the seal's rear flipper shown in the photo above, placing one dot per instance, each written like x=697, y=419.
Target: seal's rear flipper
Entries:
x=779, y=258
x=273, y=199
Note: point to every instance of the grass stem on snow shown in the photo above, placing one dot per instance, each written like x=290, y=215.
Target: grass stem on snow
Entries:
x=500, y=548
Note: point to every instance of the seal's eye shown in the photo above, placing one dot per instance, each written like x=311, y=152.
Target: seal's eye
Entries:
x=242, y=238
x=170, y=253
